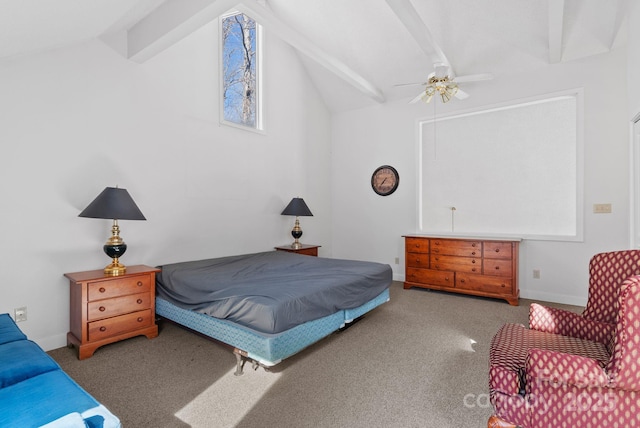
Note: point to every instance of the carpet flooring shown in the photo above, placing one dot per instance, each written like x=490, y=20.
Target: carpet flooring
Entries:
x=420, y=360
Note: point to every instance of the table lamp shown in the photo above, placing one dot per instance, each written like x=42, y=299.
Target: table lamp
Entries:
x=297, y=207
x=115, y=204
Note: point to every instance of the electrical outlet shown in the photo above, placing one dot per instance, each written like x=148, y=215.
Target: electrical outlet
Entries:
x=20, y=314
x=536, y=274
x=397, y=260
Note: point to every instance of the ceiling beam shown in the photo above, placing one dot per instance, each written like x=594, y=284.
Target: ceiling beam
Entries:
x=170, y=23
x=176, y=19
x=622, y=10
x=556, y=25
x=301, y=43
x=409, y=17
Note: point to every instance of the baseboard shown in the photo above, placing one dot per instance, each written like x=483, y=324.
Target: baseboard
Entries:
x=52, y=342
x=553, y=297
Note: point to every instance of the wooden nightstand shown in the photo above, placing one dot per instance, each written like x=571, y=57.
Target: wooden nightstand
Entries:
x=107, y=309
x=307, y=250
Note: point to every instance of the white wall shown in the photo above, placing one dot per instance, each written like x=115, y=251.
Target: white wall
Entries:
x=633, y=52
x=367, y=226
x=82, y=118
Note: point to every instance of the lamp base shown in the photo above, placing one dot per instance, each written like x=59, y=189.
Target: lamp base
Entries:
x=296, y=232
x=115, y=248
x=115, y=268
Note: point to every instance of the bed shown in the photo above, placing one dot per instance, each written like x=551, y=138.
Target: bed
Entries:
x=270, y=305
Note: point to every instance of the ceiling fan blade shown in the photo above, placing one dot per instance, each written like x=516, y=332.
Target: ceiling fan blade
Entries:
x=417, y=98
x=410, y=84
x=473, y=77
x=461, y=95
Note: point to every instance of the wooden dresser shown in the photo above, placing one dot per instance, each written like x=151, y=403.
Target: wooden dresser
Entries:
x=106, y=309
x=482, y=267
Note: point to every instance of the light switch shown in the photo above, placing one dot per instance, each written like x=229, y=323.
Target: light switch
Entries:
x=602, y=208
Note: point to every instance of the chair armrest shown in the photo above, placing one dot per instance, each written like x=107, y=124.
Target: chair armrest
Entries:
x=559, y=368
x=566, y=323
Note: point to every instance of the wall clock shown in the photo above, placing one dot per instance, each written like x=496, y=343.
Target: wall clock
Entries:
x=385, y=180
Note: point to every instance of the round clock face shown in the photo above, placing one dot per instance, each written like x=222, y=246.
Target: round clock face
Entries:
x=385, y=180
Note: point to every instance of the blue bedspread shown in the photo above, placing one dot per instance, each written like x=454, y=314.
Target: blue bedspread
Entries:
x=272, y=291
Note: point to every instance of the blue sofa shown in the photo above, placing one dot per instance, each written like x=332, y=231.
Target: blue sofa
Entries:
x=35, y=392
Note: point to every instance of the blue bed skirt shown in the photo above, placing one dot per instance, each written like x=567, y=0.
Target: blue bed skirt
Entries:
x=267, y=349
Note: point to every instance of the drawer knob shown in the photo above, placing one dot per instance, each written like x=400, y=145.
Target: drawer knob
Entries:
x=437, y=266
x=473, y=261
x=497, y=250
x=139, y=301
x=473, y=269
x=102, y=290
x=140, y=319
x=436, y=250
x=102, y=309
x=139, y=283
x=462, y=280
x=497, y=267
x=503, y=286
x=103, y=328
x=473, y=245
x=473, y=253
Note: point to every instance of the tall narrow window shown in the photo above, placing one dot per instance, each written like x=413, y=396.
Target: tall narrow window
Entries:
x=241, y=103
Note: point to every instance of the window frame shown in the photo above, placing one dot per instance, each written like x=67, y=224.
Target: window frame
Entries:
x=578, y=236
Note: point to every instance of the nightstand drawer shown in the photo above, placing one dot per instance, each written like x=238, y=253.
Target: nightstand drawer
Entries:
x=119, y=287
x=118, y=305
x=112, y=326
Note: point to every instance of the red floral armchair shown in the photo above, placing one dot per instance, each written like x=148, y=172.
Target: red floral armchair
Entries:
x=574, y=370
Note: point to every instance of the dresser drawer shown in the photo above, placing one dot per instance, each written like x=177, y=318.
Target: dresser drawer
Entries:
x=497, y=250
x=458, y=264
x=456, y=248
x=417, y=245
x=118, y=287
x=419, y=260
x=118, y=305
x=498, y=267
x=430, y=276
x=112, y=326
x=487, y=284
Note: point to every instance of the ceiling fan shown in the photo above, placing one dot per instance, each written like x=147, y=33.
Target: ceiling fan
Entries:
x=443, y=83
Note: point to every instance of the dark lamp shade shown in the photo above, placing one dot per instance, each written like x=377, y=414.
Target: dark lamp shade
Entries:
x=297, y=207
x=113, y=203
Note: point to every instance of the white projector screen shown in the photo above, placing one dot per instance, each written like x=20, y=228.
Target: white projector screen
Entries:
x=512, y=171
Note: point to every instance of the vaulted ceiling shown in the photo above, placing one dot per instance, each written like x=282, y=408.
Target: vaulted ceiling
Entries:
x=356, y=51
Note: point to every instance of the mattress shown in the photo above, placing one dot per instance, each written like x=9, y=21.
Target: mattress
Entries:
x=272, y=292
